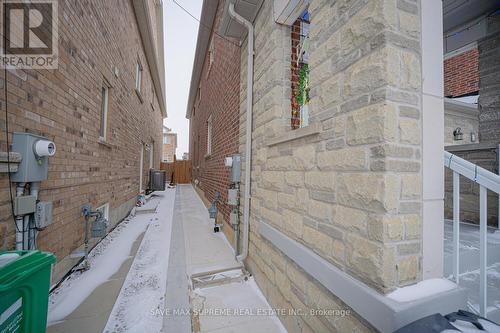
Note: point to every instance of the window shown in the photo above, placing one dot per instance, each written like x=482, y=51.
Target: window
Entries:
x=211, y=56
x=209, y=135
x=104, y=209
x=166, y=140
x=151, y=154
x=138, y=76
x=104, y=112
x=300, y=71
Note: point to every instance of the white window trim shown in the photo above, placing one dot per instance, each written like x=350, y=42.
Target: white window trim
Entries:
x=209, y=136
x=151, y=154
x=103, y=129
x=105, y=210
x=211, y=56
x=138, y=76
x=141, y=163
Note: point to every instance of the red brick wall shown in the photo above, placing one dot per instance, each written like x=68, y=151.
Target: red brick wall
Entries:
x=295, y=31
x=220, y=89
x=461, y=73
x=65, y=104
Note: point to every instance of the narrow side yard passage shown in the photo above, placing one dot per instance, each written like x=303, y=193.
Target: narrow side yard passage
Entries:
x=126, y=279
x=142, y=273
x=233, y=302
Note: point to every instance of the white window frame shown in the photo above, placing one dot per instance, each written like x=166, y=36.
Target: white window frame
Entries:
x=141, y=163
x=103, y=123
x=105, y=210
x=209, y=135
x=211, y=55
x=166, y=140
x=138, y=76
x=151, y=154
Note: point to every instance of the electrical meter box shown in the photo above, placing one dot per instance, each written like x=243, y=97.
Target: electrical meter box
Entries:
x=235, y=169
x=234, y=216
x=232, y=196
x=43, y=214
x=35, y=151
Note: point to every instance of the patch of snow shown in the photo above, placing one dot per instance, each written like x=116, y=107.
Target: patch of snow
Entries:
x=467, y=99
x=105, y=260
x=143, y=291
x=467, y=327
x=244, y=296
x=422, y=289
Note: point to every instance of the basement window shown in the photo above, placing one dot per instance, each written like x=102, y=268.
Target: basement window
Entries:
x=104, y=209
x=104, y=112
x=300, y=71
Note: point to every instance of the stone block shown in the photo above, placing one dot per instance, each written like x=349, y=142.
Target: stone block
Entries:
x=343, y=159
x=372, y=124
x=371, y=191
x=409, y=131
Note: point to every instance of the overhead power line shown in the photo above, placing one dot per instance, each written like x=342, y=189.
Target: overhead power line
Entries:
x=203, y=25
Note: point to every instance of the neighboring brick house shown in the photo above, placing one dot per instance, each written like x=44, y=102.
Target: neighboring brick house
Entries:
x=461, y=72
x=346, y=195
x=213, y=107
x=169, y=146
x=103, y=107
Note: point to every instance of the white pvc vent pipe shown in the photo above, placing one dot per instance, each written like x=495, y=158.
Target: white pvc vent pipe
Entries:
x=248, y=135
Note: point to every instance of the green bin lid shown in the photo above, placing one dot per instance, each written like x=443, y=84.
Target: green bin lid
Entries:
x=13, y=263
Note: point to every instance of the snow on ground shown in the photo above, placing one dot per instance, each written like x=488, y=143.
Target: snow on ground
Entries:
x=105, y=260
x=235, y=307
x=469, y=264
x=144, y=288
x=422, y=289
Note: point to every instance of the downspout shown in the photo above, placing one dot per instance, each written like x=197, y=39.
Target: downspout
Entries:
x=248, y=134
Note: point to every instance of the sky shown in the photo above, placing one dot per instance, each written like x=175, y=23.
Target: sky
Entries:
x=180, y=32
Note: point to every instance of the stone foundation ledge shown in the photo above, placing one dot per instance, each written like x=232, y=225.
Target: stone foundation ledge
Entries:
x=382, y=312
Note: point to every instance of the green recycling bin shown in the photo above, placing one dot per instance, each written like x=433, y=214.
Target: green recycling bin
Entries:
x=24, y=290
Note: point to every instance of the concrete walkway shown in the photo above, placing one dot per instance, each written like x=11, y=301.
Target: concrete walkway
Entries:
x=194, y=249
x=177, y=280
x=92, y=315
x=206, y=251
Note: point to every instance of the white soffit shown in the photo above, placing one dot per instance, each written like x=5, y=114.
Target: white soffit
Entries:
x=246, y=8
x=287, y=11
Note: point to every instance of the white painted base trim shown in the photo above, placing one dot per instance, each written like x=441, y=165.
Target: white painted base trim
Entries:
x=381, y=312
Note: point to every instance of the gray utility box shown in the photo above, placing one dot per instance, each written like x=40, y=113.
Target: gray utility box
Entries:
x=236, y=169
x=43, y=214
x=232, y=197
x=33, y=168
x=24, y=205
x=157, y=180
x=234, y=216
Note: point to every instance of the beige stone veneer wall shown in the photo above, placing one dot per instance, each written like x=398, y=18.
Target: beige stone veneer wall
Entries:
x=351, y=193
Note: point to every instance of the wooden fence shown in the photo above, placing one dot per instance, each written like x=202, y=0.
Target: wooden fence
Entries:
x=178, y=172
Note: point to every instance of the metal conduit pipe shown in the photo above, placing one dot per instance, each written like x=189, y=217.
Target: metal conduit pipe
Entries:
x=248, y=135
x=26, y=225
x=35, y=188
x=19, y=220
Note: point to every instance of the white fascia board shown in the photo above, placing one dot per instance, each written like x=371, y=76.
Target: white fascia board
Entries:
x=287, y=11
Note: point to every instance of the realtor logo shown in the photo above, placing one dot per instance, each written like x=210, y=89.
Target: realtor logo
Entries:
x=29, y=34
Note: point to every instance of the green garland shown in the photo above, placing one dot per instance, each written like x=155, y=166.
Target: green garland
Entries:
x=302, y=97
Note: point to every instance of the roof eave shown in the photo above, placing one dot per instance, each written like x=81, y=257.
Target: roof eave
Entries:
x=157, y=68
x=208, y=12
